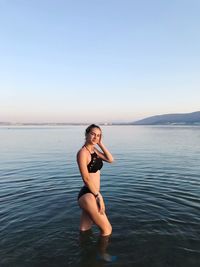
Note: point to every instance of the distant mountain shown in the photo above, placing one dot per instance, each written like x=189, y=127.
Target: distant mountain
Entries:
x=184, y=118
x=166, y=119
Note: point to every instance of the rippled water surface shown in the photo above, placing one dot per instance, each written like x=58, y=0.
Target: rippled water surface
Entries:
x=151, y=191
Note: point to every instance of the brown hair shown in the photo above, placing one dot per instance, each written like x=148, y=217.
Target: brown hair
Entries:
x=90, y=127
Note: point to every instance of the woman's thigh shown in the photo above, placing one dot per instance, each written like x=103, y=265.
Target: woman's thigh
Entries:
x=85, y=222
x=88, y=203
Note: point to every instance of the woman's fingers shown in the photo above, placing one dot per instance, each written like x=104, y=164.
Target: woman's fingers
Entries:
x=102, y=207
x=100, y=204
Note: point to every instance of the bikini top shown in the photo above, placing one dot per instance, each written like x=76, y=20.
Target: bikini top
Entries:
x=95, y=164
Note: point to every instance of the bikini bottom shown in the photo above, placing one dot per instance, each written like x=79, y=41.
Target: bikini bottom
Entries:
x=84, y=190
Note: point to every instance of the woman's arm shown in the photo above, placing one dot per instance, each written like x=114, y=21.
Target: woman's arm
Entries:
x=106, y=155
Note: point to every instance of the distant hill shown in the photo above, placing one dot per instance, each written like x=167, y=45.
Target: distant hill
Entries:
x=166, y=119
x=184, y=118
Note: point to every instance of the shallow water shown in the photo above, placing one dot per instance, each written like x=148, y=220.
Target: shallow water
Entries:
x=151, y=191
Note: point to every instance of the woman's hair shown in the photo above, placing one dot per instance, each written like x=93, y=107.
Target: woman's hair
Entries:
x=90, y=127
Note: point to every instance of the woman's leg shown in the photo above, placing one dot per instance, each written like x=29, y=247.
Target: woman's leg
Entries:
x=85, y=222
x=88, y=203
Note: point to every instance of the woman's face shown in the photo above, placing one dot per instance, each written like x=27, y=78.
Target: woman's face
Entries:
x=93, y=136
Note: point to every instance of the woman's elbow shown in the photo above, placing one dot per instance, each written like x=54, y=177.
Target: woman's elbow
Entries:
x=111, y=160
x=86, y=180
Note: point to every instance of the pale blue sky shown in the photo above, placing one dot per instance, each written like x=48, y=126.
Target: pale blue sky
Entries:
x=98, y=60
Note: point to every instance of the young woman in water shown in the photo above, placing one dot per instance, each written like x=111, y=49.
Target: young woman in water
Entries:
x=90, y=161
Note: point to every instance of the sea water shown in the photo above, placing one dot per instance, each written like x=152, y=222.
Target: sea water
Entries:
x=151, y=192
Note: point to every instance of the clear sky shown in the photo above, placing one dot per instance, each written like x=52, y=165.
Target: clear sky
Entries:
x=98, y=60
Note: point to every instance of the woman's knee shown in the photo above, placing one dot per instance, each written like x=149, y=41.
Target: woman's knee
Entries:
x=106, y=230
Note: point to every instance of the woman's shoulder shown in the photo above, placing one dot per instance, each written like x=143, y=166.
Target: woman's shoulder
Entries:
x=82, y=156
x=81, y=152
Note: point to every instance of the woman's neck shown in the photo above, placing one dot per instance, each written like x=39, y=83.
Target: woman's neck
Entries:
x=89, y=147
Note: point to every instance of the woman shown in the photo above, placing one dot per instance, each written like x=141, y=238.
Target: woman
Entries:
x=90, y=161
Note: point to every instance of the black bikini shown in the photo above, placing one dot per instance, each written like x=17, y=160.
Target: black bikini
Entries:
x=93, y=166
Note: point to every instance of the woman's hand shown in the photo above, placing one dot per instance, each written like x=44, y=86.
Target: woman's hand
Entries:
x=100, y=141
x=100, y=203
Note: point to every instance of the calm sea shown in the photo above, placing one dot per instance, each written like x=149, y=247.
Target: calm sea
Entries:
x=151, y=191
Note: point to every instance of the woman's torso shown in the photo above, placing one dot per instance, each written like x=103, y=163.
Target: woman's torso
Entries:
x=96, y=179
x=94, y=164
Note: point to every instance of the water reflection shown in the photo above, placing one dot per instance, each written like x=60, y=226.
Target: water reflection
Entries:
x=95, y=250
